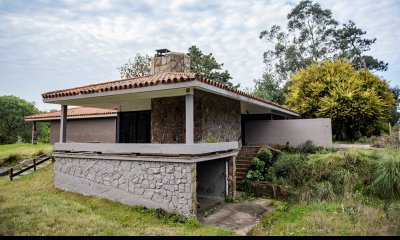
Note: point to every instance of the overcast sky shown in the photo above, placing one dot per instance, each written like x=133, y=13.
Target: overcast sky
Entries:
x=48, y=45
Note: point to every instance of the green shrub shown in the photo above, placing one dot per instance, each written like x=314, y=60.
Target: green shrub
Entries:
x=257, y=165
x=286, y=166
x=308, y=147
x=254, y=175
x=265, y=155
x=288, y=148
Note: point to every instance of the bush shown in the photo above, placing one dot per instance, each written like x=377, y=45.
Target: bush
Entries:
x=286, y=166
x=265, y=155
x=254, y=175
x=257, y=165
x=306, y=148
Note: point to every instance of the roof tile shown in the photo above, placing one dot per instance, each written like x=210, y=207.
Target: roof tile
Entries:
x=74, y=112
x=137, y=82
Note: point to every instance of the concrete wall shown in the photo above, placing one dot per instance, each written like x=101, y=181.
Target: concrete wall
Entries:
x=86, y=130
x=211, y=179
x=294, y=131
x=166, y=185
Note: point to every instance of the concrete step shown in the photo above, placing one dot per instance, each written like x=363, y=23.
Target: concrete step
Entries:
x=244, y=164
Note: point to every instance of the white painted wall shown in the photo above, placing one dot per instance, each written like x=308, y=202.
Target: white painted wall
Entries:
x=294, y=131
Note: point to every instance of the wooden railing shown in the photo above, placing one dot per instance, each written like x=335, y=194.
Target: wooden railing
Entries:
x=36, y=161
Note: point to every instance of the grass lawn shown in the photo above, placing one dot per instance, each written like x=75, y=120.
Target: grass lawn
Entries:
x=31, y=205
x=24, y=150
x=330, y=218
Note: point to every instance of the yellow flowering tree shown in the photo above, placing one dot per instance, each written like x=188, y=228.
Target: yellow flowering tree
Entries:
x=358, y=102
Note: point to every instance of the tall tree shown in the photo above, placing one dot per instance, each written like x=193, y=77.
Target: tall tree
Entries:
x=201, y=63
x=269, y=87
x=349, y=43
x=12, y=124
x=312, y=36
x=357, y=101
x=139, y=67
x=207, y=65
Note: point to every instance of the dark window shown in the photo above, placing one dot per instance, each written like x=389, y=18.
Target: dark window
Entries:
x=134, y=127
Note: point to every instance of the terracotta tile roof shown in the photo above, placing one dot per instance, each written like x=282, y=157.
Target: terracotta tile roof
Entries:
x=151, y=80
x=73, y=112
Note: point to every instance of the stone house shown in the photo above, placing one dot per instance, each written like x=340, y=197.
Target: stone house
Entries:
x=177, y=136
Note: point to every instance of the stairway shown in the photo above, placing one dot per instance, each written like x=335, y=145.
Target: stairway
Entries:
x=243, y=161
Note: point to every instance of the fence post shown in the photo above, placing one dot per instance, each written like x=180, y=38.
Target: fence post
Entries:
x=11, y=173
x=34, y=164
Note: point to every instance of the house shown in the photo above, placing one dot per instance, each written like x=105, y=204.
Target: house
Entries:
x=177, y=135
x=85, y=124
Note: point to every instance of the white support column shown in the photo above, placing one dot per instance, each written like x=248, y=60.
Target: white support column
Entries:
x=189, y=118
x=63, y=124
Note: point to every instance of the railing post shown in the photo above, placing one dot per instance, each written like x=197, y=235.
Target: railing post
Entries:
x=34, y=164
x=11, y=173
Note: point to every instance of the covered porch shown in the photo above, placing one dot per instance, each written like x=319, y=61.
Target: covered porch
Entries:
x=175, y=143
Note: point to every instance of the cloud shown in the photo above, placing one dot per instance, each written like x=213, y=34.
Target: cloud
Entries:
x=48, y=45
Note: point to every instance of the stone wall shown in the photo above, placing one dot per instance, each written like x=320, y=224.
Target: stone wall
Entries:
x=216, y=117
x=165, y=185
x=168, y=120
x=170, y=62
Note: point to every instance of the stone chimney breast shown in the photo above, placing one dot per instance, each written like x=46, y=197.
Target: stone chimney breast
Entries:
x=167, y=61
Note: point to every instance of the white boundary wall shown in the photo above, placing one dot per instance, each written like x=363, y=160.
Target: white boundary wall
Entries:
x=294, y=131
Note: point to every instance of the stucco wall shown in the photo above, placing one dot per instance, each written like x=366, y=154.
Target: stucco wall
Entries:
x=294, y=131
x=166, y=185
x=86, y=130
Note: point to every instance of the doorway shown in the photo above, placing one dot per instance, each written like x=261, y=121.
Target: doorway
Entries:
x=211, y=183
x=134, y=127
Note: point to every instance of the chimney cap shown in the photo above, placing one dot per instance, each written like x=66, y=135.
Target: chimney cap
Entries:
x=161, y=52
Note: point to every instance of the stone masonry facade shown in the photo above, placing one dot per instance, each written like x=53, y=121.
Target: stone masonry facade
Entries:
x=166, y=185
x=216, y=118
x=168, y=120
x=170, y=62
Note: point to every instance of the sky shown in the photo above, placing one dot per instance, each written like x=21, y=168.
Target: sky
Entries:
x=49, y=45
